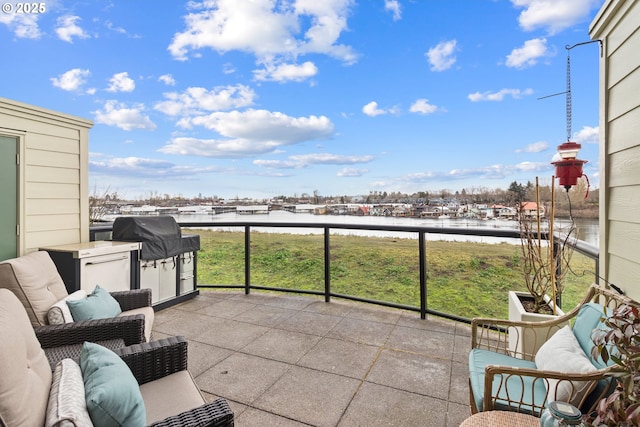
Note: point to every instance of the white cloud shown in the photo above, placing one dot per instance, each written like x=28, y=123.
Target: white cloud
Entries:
x=372, y=110
x=286, y=72
x=499, y=96
x=536, y=147
x=67, y=28
x=23, y=25
x=394, y=7
x=442, y=56
x=248, y=133
x=111, y=27
x=71, y=80
x=118, y=114
x=228, y=68
x=422, y=106
x=197, y=100
x=304, y=160
x=553, y=15
x=330, y=159
x=121, y=82
x=142, y=167
x=528, y=54
x=278, y=164
x=167, y=79
x=587, y=135
x=266, y=30
x=351, y=172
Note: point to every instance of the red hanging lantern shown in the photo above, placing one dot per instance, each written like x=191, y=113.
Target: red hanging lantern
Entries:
x=569, y=168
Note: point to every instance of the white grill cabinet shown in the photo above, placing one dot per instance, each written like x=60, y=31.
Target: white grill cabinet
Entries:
x=168, y=259
x=106, y=263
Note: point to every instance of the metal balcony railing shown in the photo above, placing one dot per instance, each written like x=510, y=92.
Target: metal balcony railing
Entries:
x=103, y=232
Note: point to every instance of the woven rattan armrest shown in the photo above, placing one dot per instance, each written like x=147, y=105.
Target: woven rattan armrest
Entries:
x=128, y=328
x=213, y=414
x=73, y=351
x=493, y=334
x=133, y=299
x=152, y=360
x=502, y=374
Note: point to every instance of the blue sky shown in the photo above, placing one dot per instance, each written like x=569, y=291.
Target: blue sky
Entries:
x=268, y=97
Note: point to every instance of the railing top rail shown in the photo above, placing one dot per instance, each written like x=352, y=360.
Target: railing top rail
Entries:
x=580, y=246
x=494, y=232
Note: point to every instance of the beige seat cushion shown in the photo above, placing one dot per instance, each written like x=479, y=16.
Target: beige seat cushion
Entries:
x=170, y=396
x=24, y=370
x=149, y=316
x=35, y=280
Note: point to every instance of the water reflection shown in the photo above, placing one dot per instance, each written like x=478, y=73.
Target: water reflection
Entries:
x=587, y=229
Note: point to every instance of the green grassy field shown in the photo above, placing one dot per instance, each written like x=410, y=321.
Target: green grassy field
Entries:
x=463, y=278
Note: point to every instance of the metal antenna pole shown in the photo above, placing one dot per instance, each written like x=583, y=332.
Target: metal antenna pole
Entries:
x=568, y=94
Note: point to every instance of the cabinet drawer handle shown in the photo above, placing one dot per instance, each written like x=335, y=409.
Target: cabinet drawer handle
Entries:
x=187, y=278
x=107, y=260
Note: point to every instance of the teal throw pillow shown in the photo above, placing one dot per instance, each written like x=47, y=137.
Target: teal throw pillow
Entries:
x=97, y=305
x=111, y=391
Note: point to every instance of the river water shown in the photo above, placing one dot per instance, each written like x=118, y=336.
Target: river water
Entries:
x=587, y=229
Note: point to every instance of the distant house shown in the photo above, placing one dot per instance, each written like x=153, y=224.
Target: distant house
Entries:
x=531, y=209
x=363, y=211
x=507, y=212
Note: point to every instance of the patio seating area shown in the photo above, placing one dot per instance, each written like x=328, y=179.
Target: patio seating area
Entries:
x=283, y=360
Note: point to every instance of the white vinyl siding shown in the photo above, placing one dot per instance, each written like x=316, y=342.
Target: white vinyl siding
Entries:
x=618, y=26
x=53, y=205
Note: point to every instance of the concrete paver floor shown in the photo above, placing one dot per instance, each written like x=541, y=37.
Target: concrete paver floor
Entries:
x=282, y=360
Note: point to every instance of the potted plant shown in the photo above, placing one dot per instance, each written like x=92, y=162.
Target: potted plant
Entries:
x=619, y=342
x=545, y=263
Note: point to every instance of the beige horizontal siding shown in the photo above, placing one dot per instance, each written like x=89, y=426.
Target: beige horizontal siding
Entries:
x=46, y=142
x=621, y=99
x=36, y=223
x=626, y=23
x=623, y=204
x=624, y=273
x=626, y=165
x=51, y=158
x=626, y=242
x=52, y=206
x=40, y=190
x=53, y=175
x=623, y=131
x=623, y=61
x=38, y=239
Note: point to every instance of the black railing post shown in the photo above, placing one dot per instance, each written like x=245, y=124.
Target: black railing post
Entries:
x=580, y=246
x=423, y=274
x=327, y=265
x=247, y=259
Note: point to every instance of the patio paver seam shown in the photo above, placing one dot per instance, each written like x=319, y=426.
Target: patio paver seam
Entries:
x=371, y=365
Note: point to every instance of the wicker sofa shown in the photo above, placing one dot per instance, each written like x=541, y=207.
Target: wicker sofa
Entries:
x=170, y=396
x=501, y=379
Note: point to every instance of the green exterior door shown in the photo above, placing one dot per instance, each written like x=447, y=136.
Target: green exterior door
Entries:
x=9, y=194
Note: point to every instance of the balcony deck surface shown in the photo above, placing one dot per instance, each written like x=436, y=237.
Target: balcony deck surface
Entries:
x=282, y=360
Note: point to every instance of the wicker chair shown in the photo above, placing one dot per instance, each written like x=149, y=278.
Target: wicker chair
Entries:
x=503, y=379
x=29, y=389
x=34, y=279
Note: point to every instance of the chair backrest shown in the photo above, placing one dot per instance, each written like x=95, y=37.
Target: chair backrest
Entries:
x=25, y=375
x=35, y=280
x=588, y=319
